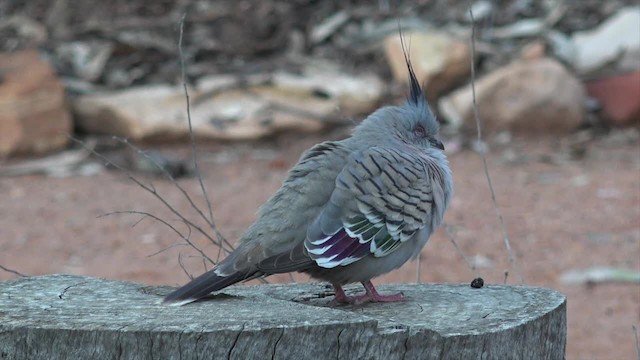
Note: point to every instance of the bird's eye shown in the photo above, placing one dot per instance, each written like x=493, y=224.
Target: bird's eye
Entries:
x=420, y=131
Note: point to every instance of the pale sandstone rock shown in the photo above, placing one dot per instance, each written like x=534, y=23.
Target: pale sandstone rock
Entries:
x=533, y=97
x=221, y=109
x=34, y=117
x=616, y=36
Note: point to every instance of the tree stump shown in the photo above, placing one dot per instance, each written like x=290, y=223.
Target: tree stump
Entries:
x=73, y=317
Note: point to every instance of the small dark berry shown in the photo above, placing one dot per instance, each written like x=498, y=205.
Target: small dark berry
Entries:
x=477, y=283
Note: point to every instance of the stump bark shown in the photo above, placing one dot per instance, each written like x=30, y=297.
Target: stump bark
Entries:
x=73, y=317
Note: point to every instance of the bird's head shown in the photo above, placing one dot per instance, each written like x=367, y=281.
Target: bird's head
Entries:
x=413, y=122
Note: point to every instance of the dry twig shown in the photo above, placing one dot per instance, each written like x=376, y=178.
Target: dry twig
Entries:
x=449, y=230
x=635, y=332
x=187, y=238
x=183, y=267
x=152, y=190
x=209, y=220
x=14, y=272
x=220, y=239
x=194, y=152
x=476, y=116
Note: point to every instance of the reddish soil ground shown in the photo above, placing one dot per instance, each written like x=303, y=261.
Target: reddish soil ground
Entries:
x=572, y=216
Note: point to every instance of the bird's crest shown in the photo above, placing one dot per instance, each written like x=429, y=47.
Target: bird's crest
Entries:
x=416, y=95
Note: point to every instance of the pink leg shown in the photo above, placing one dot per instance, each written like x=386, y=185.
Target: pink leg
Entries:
x=341, y=297
x=371, y=295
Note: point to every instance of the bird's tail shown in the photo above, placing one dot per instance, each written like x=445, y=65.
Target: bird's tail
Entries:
x=203, y=285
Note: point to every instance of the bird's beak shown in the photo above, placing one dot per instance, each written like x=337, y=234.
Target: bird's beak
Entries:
x=436, y=143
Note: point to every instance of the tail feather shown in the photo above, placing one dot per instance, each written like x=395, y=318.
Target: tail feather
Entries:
x=203, y=285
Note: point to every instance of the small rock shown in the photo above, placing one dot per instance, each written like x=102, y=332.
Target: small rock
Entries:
x=134, y=113
x=86, y=59
x=33, y=114
x=477, y=283
x=328, y=26
x=532, y=97
x=580, y=180
x=520, y=29
x=439, y=60
x=20, y=31
x=600, y=274
x=617, y=35
x=60, y=164
x=619, y=96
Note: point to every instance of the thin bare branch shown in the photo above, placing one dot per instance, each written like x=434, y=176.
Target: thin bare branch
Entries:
x=505, y=235
x=166, y=248
x=156, y=218
x=151, y=189
x=219, y=253
x=145, y=214
x=186, y=243
x=194, y=149
x=449, y=230
x=183, y=267
x=137, y=222
x=14, y=272
x=186, y=195
x=635, y=332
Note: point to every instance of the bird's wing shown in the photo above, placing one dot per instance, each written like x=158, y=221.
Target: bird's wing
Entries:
x=383, y=196
x=275, y=242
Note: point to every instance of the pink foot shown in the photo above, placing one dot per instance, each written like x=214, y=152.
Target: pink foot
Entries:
x=371, y=295
x=341, y=297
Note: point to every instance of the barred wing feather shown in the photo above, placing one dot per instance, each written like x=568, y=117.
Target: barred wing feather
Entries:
x=383, y=196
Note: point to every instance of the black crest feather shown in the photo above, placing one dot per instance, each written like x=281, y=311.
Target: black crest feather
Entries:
x=416, y=94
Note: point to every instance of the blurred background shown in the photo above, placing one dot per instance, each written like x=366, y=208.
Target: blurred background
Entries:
x=557, y=86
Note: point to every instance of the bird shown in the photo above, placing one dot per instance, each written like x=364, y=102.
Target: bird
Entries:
x=349, y=210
